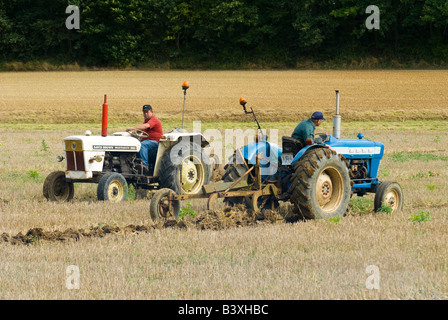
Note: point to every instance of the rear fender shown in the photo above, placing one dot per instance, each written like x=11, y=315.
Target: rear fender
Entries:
x=175, y=137
x=269, y=154
x=304, y=150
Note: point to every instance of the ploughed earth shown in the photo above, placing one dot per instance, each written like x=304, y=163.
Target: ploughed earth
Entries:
x=228, y=217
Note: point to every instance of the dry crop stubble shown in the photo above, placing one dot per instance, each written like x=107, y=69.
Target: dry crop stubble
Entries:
x=283, y=261
x=311, y=260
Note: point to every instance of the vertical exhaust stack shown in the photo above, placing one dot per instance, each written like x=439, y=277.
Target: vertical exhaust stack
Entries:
x=104, y=120
x=337, y=119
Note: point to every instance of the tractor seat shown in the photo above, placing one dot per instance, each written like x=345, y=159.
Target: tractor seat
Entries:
x=291, y=145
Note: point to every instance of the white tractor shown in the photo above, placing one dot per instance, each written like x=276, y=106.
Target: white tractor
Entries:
x=182, y=163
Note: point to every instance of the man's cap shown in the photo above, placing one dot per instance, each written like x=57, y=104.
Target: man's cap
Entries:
x=317, y=116
x=147, y=107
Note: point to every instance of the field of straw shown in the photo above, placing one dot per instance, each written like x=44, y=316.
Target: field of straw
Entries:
x=121, y=254
x=76, y=97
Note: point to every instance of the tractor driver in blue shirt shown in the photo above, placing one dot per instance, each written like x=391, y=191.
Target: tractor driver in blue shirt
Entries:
x=305, y=129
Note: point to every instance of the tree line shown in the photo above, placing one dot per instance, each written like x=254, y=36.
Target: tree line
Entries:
x=212, y=33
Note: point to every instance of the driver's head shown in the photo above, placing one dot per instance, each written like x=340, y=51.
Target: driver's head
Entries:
x=317, y=118
x=147, y=111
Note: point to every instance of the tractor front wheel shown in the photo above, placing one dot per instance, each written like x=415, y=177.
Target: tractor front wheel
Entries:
x=112, y=187
x=56, y=188
x=388, y=194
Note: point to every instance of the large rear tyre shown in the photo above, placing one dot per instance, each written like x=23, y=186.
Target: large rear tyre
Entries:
x=184, y=168
x=162, y=207
x=389, y=194
x=112, y=187
x=321, y=185
x=57, y=189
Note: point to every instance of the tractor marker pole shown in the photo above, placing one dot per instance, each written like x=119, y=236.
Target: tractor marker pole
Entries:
x=104, y=120
x=185, y=86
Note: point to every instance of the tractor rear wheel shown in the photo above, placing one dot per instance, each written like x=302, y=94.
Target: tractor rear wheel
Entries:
x=57, y=189
x=389, y=194
x=112, y=187
x=184, y=169
x=321, y=185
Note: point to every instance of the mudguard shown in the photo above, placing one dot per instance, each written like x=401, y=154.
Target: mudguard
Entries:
x=304, y=150
x=269, y=154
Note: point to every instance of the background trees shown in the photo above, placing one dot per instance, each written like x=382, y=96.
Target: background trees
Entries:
x=212, y=33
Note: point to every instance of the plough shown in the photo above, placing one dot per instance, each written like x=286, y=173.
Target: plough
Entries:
x=249, y=189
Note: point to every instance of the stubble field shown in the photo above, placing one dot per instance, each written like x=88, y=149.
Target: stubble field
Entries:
x=121, y=254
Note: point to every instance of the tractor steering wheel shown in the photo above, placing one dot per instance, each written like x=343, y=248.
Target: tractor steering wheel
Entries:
x=138, y=134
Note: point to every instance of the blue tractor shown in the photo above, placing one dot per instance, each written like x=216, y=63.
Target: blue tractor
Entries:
x=319, y=178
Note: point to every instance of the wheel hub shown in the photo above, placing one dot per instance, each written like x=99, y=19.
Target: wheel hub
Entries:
x=115, y=191
x=192, y=175
x=329, y=190
x=61, y=189
x=189, y=175
x=391, y=199
x=324, y=188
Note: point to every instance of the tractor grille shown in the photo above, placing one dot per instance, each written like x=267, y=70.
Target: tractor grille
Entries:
x=75, y=160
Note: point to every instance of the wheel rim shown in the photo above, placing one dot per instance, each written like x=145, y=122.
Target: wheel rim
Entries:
x=329, y=190
x=61, y=189
x=392, y=199
x=191, y=175
x=115, y=191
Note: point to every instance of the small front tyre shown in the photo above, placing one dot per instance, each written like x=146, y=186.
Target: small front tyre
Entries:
x=112, y=187
x=56, y=188
x=388, y=194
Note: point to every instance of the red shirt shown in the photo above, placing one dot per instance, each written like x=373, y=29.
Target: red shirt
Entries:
x=155, y=129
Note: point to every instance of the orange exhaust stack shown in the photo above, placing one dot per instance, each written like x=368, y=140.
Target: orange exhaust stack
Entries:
x=104, y=120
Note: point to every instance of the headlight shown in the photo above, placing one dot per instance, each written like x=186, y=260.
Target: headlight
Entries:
x=59, y=158
x=97, y=158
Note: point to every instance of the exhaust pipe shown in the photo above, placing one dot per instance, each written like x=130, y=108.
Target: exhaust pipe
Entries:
x=104, y=120
x=337, y=119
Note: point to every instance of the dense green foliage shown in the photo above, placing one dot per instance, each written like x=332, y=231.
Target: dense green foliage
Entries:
x=212, y=33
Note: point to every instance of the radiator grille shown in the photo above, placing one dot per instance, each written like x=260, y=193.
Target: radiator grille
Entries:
x=75, y=160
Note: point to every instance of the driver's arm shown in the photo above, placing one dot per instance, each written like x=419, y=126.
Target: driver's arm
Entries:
x=142, y=126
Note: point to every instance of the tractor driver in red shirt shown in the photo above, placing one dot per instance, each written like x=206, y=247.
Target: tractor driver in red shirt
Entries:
x=149, y=145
